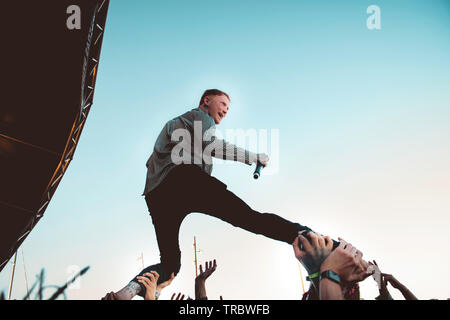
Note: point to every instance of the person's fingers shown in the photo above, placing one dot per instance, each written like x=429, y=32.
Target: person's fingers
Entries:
x=173, y=296
x=372, y=272
x=357, y=258
x=145, y=281
x=363, y=276
x=388, y=277
x=142, y=281
x=321, y=241
x=179, y=295
x=156, y=274
x=328, y=242
x=221, y=298
x=182, y=297
x=150, y=276
x=348, y=248
x=304, y=241
x=314, y=239
x=364, y=264
x=215, y=263
x=296, y=246
x=263, y=159
x=384, y=280
x=342, y=244
x=201, y=270
x=149, y=279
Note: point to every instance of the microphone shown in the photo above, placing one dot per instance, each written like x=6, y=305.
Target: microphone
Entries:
x=257, y=172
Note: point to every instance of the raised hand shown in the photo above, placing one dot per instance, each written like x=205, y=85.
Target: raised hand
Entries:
x=178, y=297
x=210, y=267
x=391, y=279
x=373, y=266
x=312, y=254
x=200, y=288
x=149, y=281
x=347, y=262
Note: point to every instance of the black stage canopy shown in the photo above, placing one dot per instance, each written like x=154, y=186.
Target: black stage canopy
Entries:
x=49, y=67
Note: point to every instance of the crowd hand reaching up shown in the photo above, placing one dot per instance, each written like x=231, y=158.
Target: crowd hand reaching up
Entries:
x=389, y=278
x=210, y=267
x=180, y=296
x=347, y=262
x=312, y=254
x=384, y=277
x=149, y=281
x=200, y=288
x=376, y=274
x=407, y=294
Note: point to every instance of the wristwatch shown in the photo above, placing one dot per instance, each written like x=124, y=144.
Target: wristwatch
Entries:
x=330, y=274
x=157, y=294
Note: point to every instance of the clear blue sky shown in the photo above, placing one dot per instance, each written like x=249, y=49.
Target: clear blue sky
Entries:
x=364, y=123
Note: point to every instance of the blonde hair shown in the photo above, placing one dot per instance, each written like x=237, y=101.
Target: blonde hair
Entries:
x=212, y=92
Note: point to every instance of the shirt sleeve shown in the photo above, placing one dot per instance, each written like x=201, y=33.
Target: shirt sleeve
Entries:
x=221, y=149
x=227, y=151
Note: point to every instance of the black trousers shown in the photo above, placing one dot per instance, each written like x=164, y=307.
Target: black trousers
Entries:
x=188, y=189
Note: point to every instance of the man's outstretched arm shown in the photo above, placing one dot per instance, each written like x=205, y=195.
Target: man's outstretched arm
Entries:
x=221, y=149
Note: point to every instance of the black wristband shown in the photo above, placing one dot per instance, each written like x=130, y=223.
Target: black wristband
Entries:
x=330, y=274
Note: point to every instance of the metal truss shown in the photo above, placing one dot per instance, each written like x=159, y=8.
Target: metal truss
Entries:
x=90, y=63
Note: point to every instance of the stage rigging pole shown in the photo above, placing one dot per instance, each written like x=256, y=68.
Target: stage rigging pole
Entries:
x=12, y=276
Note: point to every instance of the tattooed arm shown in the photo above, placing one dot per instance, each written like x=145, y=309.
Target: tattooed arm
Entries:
x=131, y=290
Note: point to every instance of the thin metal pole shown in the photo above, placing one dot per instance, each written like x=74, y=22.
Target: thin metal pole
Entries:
x=195, y=256
x=142, y=259
x=301, y=279
x=12, y=276
x=25, y=272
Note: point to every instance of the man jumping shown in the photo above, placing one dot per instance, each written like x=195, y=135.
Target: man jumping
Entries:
x=179, y=182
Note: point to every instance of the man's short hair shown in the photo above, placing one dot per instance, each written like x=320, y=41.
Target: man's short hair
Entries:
x=213, y=92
